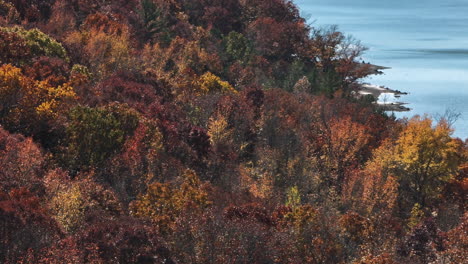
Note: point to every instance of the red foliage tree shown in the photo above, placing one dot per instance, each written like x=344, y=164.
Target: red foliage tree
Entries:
x=13, y=48
x=422, y=244
x=274, y=39
x=53, y=70
x=24, y=226
x=283, y=10
x=124, y=88
x=224, y=16
x=21, y=162
x=33, y=10
x=124, y=240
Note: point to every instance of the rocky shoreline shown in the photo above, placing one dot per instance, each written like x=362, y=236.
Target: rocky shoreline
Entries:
x=376, y=92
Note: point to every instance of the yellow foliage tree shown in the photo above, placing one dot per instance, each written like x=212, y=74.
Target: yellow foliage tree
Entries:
x=25, y=100
x=219, y=131
x=72, y=202
x=11, y=83
x=164, y=203
x=190, y=193
x=68, y=208
x=425, y=158
x=209, y=83
x=415, y=166
x=157, y=205
x=53, y=98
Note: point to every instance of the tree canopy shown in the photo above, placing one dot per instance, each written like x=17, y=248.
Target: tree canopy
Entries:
x=209, y=131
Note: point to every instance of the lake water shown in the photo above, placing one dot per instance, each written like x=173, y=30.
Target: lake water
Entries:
x=425, y=42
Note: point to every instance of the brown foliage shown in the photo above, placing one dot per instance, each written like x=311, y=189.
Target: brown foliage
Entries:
x=21, y=162
x=24, y=225
x=268, y=34
x=53, y=70
x=33, y=10
x=13, y=48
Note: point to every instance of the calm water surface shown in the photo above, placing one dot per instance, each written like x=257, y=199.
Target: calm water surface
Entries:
x=424, y=41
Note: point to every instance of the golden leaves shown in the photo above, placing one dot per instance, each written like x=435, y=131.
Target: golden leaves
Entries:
x=413, y=168
x=427, y=153
x=163, y=203
x=68, y=207
x=54, y=98
x=208, y=83
x=219, y=131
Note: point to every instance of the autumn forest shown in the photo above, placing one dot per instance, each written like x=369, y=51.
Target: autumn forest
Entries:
x=211, y=131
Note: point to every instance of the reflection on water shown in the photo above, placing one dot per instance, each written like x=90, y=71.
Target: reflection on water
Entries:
x=425, y=42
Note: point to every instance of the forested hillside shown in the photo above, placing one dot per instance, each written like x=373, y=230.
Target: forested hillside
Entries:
x=210, y=131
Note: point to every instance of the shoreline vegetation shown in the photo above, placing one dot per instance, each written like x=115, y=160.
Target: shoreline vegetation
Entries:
x=376, y=92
